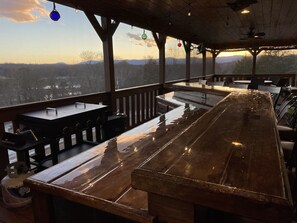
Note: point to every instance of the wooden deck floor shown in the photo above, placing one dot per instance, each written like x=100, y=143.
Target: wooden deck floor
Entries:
x=15, y=215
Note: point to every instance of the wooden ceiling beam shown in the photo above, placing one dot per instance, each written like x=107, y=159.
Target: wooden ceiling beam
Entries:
x=96, y=25
x=217, y=27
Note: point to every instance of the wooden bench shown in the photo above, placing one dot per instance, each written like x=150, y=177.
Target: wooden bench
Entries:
x=96, y=184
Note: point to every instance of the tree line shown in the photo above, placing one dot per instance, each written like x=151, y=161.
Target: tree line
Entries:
x=24, y=83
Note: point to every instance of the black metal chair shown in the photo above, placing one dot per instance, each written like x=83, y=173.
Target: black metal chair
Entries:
x=282, y=82
x=255, y=82
x=288, y=135
x=274, y=91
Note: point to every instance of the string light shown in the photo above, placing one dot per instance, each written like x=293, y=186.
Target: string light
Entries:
x=55, y=15
x=179, y=43
x=245, y=11
x=144, y=36
x=189, y=13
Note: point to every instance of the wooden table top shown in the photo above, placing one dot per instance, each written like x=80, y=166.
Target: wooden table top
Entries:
x=62, y=112
x=101, y=176
x=230, y=159
x=192, y=98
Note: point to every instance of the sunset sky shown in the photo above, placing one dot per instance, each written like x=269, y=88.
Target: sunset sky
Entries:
x=28, y=35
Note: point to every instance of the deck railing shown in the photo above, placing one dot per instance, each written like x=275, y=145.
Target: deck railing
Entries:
x=138, y=103
x=231, y=77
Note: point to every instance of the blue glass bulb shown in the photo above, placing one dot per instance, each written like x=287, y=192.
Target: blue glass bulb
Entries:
x=55, y=15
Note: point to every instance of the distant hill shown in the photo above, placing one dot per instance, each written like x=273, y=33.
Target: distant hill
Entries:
x=182, y=61
x=228, y=59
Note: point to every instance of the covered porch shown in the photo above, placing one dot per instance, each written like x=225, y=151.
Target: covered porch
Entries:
x=211, y=26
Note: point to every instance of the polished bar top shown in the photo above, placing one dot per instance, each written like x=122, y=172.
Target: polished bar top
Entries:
x=192, y=98
x=230, y=159
x=214, y=90
x=101, y=176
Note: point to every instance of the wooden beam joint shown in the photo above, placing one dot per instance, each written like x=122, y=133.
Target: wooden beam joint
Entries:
x=160, y=39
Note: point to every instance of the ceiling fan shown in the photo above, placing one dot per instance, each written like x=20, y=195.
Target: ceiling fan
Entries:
x=251, y=34
x=237, y=5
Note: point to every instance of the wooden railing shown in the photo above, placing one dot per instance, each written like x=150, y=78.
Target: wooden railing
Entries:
x=232, y=77
x=137, y=103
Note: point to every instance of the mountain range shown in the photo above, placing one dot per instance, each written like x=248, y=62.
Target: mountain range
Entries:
x=169, y=60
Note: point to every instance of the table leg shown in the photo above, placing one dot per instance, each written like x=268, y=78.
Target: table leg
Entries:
x=4, y=161
x=54, y=150
x=67, y=141
x=23, y=156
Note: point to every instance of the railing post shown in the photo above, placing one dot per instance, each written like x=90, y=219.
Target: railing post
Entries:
x=214, y=53
x=293, y=81
x=187, y=47
x=254, y=53
x=204, y=63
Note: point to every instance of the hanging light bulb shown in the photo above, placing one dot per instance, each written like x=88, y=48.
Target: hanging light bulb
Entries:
x=189, y=13
x=144, y=36
x=245, y=11
x=54, y=15
x=179, y=44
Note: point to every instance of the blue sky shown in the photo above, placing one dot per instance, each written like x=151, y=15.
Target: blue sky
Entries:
x=29, y=36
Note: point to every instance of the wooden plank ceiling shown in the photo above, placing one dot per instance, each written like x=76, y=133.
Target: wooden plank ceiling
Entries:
x=211, y=22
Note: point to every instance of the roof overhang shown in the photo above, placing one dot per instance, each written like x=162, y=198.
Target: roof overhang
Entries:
x=212, y=22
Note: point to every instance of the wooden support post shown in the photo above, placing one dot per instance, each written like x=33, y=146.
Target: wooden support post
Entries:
x=215, y=53
x=204, y=63
x=105, y=32
x=254, y=53
x=187, y=47
x=161, y=41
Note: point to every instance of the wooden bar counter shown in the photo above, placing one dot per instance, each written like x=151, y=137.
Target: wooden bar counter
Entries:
x=95, y=186
x=229, y=159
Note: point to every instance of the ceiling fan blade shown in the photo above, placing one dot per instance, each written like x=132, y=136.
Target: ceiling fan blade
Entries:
x=241, y=4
